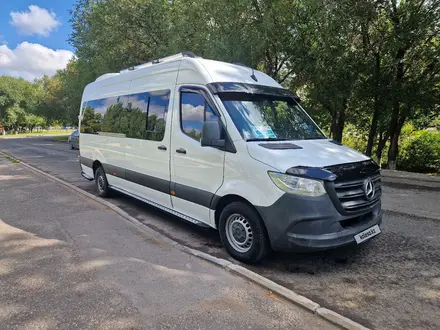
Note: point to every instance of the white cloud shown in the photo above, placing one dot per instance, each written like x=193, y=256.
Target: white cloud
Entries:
x=102, y=106
x=195, y=113
x=34, y=21
x=192, y=113
x=32, y=61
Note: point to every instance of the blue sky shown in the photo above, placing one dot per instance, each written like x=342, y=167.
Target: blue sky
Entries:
x=33, y=37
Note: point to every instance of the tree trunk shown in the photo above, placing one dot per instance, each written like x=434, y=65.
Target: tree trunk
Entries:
x=338, y=127
x=372, y=133
x=333, y=129
x=393, y=152
x=395, y=124
x=383, y=137
x=394, y=138
x=374, y=120
x=338, y=122
x=341, y=122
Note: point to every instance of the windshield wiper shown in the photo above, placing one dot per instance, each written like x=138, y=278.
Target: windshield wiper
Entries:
x=265, y=139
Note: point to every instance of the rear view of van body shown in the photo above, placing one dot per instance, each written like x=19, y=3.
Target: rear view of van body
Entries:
x=224, y=146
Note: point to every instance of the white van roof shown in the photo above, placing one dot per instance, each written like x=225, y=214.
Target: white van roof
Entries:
x=192, y=70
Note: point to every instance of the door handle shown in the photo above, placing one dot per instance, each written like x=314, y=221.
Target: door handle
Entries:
x=162, y=148
x=181, y=151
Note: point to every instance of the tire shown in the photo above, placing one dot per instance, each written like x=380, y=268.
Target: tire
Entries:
x=243, y=233
x=101, y=182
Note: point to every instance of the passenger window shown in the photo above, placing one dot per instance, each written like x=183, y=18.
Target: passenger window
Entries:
x=157, y=117
x=194, y=112
x=113, y=119
x=137, y=116
x=137, y=113
x=93, y=115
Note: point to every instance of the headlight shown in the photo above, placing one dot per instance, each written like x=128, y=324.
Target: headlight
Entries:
x=297, y=185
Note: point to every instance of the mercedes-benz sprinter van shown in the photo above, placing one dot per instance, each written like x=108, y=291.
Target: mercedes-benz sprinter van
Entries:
x=226, y=146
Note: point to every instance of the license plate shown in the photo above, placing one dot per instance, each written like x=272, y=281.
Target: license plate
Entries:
x=367, y=234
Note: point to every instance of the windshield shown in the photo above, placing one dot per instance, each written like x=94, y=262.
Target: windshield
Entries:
x=261, y=118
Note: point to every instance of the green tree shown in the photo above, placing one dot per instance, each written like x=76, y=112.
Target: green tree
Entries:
x=370, y=64
x=15, y=118
x=17, y=91
x=327, y=58
x=33, y=121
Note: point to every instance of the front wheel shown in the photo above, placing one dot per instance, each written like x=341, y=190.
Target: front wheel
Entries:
x=101, y=182
x=243, y=233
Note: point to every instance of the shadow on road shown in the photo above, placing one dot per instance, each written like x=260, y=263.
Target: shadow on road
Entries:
x=44, y=286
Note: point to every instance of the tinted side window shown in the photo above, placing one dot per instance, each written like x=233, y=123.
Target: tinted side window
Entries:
x=105, y=116
x=148, y=114
x=137, y=116
x=157, y=116
x=114, y=119
x=137, y=112
x=92, y=116
x=194, y=112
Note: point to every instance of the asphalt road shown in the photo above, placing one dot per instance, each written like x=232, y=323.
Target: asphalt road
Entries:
x=389, y=283
x=67, y=262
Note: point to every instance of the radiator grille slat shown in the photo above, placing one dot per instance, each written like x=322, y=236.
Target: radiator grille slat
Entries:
x=352, y=196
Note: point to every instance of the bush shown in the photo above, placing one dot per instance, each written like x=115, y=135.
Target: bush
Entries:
x=355, y=139
x=420, y=152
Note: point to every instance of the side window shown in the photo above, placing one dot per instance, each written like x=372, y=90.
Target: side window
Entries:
x=147, y=115
x=137, y=112
x=157, y=116
x=92, y=116
x=137, y=116
x=115, y=120
x=194, y=112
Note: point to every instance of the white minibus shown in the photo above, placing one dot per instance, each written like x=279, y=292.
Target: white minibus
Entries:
x=226, y=146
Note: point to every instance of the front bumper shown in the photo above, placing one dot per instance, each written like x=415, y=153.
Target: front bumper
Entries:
x=304, y=224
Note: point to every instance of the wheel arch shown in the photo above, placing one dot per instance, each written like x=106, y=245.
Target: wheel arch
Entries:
x=228, y=199
x=95, y=166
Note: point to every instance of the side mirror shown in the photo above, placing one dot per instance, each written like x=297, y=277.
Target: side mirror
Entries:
x=211, y=134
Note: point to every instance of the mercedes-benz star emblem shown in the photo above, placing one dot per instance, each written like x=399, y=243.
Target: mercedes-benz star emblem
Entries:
x=369, y=189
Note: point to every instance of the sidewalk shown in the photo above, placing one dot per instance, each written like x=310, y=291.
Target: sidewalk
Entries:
x=401, y=179
x=69, y=263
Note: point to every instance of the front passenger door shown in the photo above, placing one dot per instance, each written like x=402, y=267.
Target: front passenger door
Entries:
x=196, y=171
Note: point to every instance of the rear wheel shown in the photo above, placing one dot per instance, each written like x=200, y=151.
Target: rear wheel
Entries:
x=101, y=182
x=242, y=233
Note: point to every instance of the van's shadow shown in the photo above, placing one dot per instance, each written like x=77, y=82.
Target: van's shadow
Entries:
x=208, y=240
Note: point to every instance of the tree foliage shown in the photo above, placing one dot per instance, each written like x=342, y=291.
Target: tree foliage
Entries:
x=372, y=65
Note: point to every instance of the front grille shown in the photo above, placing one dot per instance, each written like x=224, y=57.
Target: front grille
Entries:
x=352, y=196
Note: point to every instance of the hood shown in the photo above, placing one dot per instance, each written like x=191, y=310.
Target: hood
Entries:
x=283, y=155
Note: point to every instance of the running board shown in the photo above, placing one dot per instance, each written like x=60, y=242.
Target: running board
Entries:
x=85, y=176
x=163, y=208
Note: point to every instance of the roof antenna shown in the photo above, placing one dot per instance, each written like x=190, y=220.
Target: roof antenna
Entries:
x=253, y=73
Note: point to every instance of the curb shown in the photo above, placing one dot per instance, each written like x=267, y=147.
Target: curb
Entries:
x=409, y=175
x=264, y=282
